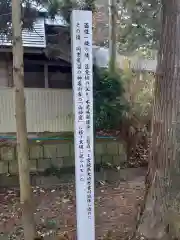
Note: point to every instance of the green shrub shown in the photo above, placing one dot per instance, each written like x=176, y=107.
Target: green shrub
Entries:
x=109, y=102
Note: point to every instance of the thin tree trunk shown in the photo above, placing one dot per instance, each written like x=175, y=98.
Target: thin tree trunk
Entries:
x=161, y=211
x=22, y=143
x=112, y=36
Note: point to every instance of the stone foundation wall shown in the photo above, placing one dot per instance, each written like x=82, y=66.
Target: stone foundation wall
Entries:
x=59, y=154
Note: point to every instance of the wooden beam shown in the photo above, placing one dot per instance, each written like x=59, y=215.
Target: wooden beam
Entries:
x=49, y=63
x=26, y=50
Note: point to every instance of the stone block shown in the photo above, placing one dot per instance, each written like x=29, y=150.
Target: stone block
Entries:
x=68, y=162
x=8, y=153
x=45, y=181
x=35, y=152
x=116, y=160
x=13, y=167
x=121, y=148
x=50, y=151
x=98, y=159
x=33, y=165
x=58, y=162
x=112, y=148
x=107, y=159
x=3, y=167
x=9, y=181
x=99, y=148
x=43, y=164
x=64, y=150
x=123, y=157
x=72, y=153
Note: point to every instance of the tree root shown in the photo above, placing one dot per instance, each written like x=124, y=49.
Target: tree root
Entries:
x=141, y=208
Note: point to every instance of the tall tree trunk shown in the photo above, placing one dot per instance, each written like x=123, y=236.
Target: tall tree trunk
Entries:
x=22, y=143
x=112, y=35
x=161, y=213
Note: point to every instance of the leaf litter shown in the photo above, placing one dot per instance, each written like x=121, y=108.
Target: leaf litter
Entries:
x=115, y=210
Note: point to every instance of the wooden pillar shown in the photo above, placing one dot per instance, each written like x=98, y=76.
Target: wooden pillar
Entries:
x=46, y=79
x=9, y=69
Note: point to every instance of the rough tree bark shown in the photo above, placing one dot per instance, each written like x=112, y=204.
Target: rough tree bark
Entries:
x=112, y=36
x=161, y=213
x=22, y=144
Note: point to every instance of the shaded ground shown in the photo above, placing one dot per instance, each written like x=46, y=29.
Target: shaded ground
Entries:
x=115, y=209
